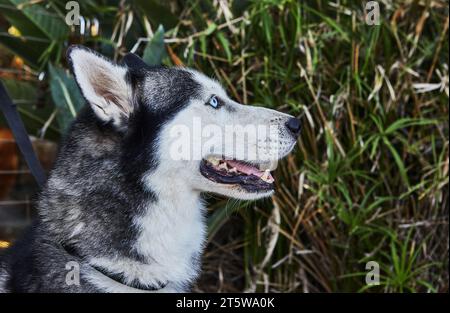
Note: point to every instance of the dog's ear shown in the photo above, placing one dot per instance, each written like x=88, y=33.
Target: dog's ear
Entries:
x=103, y=84
x=134, y=62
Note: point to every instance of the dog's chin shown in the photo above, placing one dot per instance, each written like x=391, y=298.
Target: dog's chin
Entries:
x=235, y=192
x=236, y=179
x=244, y=195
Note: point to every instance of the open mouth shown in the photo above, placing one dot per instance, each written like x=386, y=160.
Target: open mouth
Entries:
x=250, y=176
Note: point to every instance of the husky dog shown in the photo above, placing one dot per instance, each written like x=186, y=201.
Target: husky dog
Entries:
x=119, y=213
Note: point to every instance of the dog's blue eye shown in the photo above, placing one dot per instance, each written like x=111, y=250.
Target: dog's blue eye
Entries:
x=214, y=102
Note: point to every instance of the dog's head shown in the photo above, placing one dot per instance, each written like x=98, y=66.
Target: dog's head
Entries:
x=179, y=124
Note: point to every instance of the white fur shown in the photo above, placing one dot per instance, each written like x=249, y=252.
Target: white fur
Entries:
x=172, y=232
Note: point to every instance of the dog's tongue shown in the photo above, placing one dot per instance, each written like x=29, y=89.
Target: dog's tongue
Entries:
x=247, y=169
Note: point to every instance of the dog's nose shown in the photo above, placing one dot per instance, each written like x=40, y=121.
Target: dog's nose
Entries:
x=294, y=126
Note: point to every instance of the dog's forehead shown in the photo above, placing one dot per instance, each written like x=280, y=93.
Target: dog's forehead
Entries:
x=162, y=86
x=208, y=85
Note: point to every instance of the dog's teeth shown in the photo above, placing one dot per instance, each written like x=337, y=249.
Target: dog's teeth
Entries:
x=265, y=176
x=213, y=161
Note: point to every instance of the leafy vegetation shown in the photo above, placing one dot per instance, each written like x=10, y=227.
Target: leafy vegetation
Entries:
x=369, y=179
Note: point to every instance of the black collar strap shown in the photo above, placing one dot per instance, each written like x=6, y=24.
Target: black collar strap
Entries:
x=114, y=276
x=20, y=134
x=120, y=279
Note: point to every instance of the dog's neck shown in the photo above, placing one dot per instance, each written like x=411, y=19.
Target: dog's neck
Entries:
x=170, y=240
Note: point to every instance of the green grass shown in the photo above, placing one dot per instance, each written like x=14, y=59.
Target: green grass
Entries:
x=369, y=178
x=367, y=181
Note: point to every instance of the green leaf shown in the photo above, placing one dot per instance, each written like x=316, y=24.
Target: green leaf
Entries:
x=65, y=95
x=343, y=214
x=21, y=92
x=51, y=24
x=225, y=44
x=202, y=40
x=155, y=50
x=407, y=122
x=428, y=285
x=36, y=26
x=19, y=20
x=211, y=28
x=398, y=161
x=332, y=23
x=267, y=26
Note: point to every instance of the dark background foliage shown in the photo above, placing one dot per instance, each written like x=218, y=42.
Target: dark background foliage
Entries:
x=369, y=179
